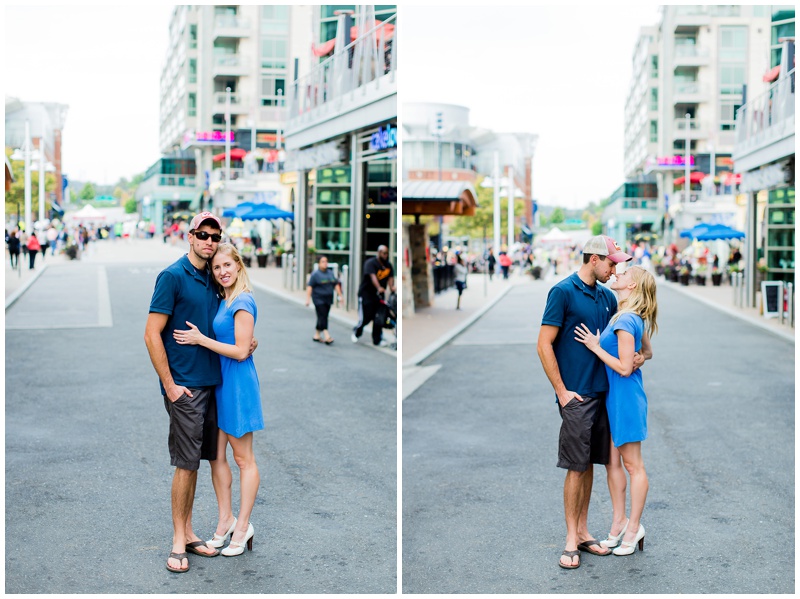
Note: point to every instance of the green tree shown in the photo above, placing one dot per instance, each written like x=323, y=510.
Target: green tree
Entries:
x=88, y=192
x=130, y=206
x=15, y=196
x=597, y=228
x=557, y=216
x=474, y=226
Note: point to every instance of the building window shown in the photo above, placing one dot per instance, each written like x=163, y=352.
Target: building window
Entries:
x=273, y=90
x=192, y=36
x=654, y=67
x=654, y=98
x=192, y=70
x=192, y=108
x=274, y=52
x=732, y=44
x=654, y=131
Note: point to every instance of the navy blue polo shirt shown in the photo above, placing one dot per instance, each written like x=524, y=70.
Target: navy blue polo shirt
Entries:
x=569, y=303
x=184, y=293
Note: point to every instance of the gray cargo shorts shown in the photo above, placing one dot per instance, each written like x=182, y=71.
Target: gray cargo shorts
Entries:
x=192, y=428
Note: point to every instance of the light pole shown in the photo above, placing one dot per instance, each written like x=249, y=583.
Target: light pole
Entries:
x=511, y=188
x=687, y=186
x=26, y=149
x=496, y=210
x=41, y=174
x=227, y=134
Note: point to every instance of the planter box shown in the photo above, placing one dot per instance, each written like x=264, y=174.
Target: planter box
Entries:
x=716, y=279
x=684, y=279
x=248, y=261
x=700, y=280
x=262, y=260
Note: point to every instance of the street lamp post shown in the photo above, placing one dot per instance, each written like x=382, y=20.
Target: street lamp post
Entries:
x=511, y=188
x=41, y=174
x=26, y=149
x=687, y=185
x=228, y=134
x=496, y=211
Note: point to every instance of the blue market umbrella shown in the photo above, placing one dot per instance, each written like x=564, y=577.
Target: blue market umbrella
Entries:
x=707, y=229
x=721, y=232
x=267, y=212
x=242, y=208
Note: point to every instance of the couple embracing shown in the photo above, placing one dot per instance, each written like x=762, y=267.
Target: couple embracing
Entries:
x=200, y=337
x=591, y=348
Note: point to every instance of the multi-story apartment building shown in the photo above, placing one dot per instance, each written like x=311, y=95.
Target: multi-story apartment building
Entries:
x=764, y=155
x=341, y=141
x=233, y=61
x=696, y=61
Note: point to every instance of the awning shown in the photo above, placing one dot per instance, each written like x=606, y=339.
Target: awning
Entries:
x=439, y=198
x=236, y=154
x=327, y=47
x=772, y=74
x=731, y=178
x=694, y=177
x=710, y=232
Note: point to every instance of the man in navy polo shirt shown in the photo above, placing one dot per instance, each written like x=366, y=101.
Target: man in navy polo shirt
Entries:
x=188, y=374
x=580, y=382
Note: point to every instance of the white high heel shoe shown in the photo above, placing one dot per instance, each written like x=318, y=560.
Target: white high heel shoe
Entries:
x=613, y=540
x=219, y=540
x=627, y=548
x=235, y=548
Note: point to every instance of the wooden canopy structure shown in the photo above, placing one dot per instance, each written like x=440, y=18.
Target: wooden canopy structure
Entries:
x=457, y=198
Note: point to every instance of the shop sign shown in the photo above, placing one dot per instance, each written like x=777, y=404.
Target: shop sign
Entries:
x=667, y=163
x=206, y=137
x=383, y=139
x=316, y=156
x=763, y=178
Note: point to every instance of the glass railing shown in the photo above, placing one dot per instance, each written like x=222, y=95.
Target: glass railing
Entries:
x=690, y=52
x=688, y=88
x=231, y=22
x=371, y=56
x=177, y=180
x=769, y=110
x=220, y=99
x=230, y=60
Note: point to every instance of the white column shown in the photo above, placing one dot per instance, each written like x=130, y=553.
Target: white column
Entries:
x=496, y=210
x=41, y=174
x=511, y=190
x=26, y=148
x=227, y=134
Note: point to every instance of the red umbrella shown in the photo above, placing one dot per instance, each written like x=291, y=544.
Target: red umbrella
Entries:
x=694, y=177
x=236, y=154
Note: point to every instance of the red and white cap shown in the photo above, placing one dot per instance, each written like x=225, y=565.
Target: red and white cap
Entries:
x=198, y=220
x=605, y=246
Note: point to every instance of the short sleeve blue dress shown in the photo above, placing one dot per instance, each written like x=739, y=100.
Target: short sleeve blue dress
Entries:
x=239, y=394
x=626, y=401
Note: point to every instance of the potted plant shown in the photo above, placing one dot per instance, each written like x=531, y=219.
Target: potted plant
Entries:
x=248, y=249
x=535, y=271
x=761, y=272
x=278, y=251
x=716, y=277
x=671, y=273
x=684, y=274
x=732, y=270
x=261, y=257
x=700, y=274
x=658, y=264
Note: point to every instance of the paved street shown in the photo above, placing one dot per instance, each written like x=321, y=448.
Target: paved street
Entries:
x=88, y=478
x=483, y=499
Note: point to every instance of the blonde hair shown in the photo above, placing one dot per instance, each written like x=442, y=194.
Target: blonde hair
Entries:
x=242, y=282
x=642, y=300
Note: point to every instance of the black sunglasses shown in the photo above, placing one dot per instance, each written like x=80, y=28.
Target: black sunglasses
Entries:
x=203, y=235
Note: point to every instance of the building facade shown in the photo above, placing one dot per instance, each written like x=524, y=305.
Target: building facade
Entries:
x=697, y=61
x=764, y=155
x=341, y=142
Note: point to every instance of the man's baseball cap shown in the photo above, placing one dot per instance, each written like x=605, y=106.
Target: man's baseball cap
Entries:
x=605, y=246
x=200, y=218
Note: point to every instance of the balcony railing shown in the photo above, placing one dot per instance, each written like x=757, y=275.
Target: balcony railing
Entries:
x=767, y=116
x=238, y=102
x=370, y=57
x=177, y=180
x=688, y=88
x=218, y=174
x=230, y=64
x=231, y=22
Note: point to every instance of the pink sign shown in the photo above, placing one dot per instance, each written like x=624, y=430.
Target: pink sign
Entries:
x=209, y=137
x=674, y=161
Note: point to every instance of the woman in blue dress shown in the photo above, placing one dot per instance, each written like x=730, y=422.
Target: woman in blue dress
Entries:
x=238, y=397
x=626, y=402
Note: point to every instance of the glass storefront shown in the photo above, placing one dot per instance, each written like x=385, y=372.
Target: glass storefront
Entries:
x=780, y=234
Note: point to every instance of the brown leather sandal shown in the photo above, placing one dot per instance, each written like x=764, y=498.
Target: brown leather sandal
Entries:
x=180, y=557
x=192, y=548
x=570, y=554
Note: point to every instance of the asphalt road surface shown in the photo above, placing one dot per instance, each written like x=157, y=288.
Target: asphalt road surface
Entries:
x=88, y=478
x=483, y=498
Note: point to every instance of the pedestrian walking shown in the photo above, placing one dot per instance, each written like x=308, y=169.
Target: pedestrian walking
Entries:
x=320, y=289
x=460, y=278
x=13, y=248
x=238, y=397
x=188, y=376
x=378, y=277
x=52, y=239
x=33, y=248
x=505, y=263
x=580, y=384
x=492, y=261
x=626, y=402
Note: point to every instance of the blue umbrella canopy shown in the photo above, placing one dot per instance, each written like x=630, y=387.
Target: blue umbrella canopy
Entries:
x=267, y=212
x=242, y=208
x=702, y=229
x=720, y=232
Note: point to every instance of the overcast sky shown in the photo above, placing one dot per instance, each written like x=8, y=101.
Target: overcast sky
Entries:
x=560, y=72
x=104, y=62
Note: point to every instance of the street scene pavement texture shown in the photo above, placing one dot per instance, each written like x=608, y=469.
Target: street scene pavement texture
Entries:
x=483, y=498
x=88, y=477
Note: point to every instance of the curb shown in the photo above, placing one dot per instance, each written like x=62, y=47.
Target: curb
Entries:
x=735, y=313
x=448, y=336
x=18, y=293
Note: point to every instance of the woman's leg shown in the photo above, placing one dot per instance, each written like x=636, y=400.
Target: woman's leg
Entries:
x=221, y=478
x=249, y=480
x=632, y=458
x=323, y=312
x=319, y=327
x=617, y=484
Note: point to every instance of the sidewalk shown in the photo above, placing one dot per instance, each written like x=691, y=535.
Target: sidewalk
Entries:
x=431, y=328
